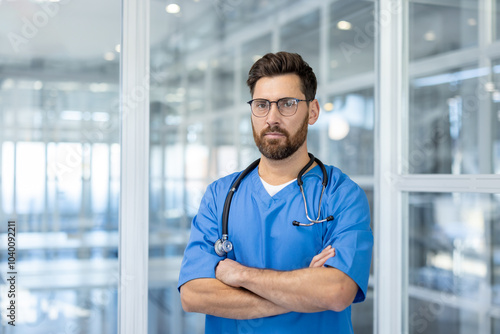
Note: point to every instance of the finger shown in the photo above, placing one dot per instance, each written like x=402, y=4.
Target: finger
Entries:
x=321, y=262
x=325, y=252
x=323, y=255
x=320, y=259
x=318, y=262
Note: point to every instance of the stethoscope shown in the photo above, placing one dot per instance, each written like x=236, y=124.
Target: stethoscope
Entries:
x=223, y=245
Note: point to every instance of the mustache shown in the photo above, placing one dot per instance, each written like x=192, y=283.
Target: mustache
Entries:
x=275, y=129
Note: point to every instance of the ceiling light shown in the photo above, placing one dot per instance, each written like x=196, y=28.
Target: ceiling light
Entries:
x=99, y=87
x=109, y=56
x=496, y=98
x=71, y=115
x=489, y=87
x=99, y=116
x=328, y=106
x=430, y=36
x=173, y=8
x=202, y=66
x=344, y=25
x=338, y=128
x=37, y=85
x=118, y=48
x=7, y=84
x=472, y=22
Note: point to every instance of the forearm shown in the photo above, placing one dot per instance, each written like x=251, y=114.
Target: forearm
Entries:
x=211, y=296
x=304, y=290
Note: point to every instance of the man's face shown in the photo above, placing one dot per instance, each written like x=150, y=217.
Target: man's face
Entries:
x=277, y=136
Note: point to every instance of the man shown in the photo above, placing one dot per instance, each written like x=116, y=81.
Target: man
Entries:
x=280, y=277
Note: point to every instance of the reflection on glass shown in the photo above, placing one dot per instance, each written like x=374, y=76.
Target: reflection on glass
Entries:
x=444, y=116
x=224, y=150
x=452, y=260
x=362, y=315
x=250, y=152
x=68, y=172
x=344, y=132
x=30, y=181
x=223, y=82
x=100, y=178
x=77, y=311
x=196, y=89
x=496, y=19
x=495, y=116
x=8, y=172
x=352, y=38
x=302, y=36
x=495, y=246
x=442, y=26
x=251, y=51
x=60, y=163
x=435, y=317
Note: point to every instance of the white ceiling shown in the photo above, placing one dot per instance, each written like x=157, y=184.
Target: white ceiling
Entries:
x=77, y=29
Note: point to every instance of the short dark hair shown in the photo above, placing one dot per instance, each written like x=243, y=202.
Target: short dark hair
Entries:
x=274, y=64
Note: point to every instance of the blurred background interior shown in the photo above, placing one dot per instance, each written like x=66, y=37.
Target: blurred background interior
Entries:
x=60, y=145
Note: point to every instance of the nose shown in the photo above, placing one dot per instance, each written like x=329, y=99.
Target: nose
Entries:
x=274, y=115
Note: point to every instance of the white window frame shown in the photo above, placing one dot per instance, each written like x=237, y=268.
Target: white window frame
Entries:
x=134, y=174
x=392, y=181
x=391, y=103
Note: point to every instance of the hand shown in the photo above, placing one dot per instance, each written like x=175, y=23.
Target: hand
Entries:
x=229, y=272
x=320, y=259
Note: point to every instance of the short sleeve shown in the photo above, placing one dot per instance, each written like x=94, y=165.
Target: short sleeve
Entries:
x=351, y=236
x=200, y=259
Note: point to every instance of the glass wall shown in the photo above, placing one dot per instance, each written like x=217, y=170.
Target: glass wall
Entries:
x=60, y=163
x=452, y=132
x=453, y=121
x=200, y=124
x=453, y=266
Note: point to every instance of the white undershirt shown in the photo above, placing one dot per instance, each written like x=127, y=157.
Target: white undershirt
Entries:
x=273, y=190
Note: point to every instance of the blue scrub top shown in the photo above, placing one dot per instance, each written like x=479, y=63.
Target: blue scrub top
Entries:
x=260, y=228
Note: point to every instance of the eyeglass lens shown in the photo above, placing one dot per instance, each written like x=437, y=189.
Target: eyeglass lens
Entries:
x=286, y=106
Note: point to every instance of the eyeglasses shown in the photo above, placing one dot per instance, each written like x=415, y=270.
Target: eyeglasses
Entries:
x=287, y=106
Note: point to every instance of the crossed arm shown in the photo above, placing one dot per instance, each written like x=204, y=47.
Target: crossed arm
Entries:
x=241, y=292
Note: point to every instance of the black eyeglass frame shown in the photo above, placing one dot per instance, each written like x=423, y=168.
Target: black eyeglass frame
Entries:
x=277, y=105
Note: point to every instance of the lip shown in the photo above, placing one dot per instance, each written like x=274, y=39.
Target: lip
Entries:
x=274, y=135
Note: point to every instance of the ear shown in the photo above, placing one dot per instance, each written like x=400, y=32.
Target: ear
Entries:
x=313, y=111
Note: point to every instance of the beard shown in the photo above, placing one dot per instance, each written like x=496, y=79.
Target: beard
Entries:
x=272, y=149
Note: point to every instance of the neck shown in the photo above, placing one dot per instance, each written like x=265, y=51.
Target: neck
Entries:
x=276, y=172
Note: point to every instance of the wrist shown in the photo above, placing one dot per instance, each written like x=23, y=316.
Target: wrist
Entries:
x=246, y=275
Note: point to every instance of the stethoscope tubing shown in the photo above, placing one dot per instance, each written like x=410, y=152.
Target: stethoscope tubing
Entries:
x=223, y=245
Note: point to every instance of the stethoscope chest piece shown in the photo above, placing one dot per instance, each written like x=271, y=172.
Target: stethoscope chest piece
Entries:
x=223, y=246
